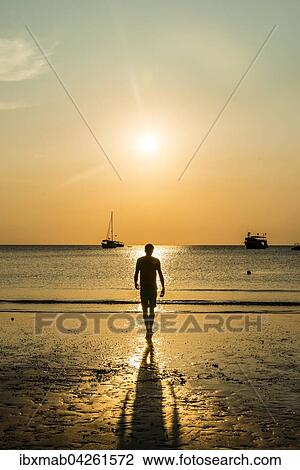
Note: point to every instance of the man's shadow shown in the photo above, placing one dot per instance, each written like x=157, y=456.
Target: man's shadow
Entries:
x=148, y=427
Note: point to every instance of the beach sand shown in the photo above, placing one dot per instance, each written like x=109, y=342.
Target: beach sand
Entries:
x=113, y=390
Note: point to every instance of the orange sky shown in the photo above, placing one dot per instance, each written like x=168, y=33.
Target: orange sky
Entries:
x=136, y=72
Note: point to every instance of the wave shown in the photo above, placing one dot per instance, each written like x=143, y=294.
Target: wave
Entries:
x=279, y=303
x=233, y=290
x=136, y=311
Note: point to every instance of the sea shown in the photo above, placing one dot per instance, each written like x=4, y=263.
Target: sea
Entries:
x=198, y=279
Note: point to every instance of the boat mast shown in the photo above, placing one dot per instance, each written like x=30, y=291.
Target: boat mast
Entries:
x=112, y=224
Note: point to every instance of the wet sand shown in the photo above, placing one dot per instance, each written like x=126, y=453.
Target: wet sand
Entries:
x=191, y=390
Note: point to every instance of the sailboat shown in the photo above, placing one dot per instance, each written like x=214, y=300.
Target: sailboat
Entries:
x=110, y=241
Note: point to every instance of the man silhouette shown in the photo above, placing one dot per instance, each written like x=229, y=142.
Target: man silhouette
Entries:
x=147, y=266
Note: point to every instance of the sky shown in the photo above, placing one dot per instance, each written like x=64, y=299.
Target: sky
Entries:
x=149, y=77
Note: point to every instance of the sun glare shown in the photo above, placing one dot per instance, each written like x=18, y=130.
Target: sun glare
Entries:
x=148, y=143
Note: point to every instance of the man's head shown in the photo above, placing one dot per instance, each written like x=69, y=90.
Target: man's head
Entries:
x=149, y=249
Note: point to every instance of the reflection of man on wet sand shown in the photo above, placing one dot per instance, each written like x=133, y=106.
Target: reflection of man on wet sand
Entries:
x=147, y=266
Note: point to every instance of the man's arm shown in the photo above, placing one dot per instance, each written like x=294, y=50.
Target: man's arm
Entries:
x=136, y=275
x=162, y=280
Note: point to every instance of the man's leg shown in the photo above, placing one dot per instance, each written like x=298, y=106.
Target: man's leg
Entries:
x=145, y=304
x=148, y=323
x=152, y=305
x=151, y=318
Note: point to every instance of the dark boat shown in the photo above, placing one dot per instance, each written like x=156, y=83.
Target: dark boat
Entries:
x=110, y=241
x=256, y=242
x=296, y=247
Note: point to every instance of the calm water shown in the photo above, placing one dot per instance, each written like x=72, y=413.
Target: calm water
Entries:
x=198, y=278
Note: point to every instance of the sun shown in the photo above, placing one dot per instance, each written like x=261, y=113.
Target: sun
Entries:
x=148, y=143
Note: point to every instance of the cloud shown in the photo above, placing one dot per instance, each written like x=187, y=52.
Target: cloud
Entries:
x=9, y=105
x=19, y=60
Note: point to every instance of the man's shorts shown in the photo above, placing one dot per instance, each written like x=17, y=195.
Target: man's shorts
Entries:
x=148, y=298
